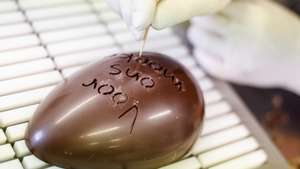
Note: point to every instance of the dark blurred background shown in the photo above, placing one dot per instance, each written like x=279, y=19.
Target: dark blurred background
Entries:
x=278, y=111
x=292, y=4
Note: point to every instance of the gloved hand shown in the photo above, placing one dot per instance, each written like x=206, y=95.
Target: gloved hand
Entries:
x=252, y=42
x=140, y=14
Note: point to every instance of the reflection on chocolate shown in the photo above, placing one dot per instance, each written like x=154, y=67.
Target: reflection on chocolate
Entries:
x=123, y=112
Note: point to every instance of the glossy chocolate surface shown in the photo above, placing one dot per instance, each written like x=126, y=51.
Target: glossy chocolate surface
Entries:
x=123, y=112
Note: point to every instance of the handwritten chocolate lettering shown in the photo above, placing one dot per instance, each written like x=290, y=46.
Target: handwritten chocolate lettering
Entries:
x=115, y=69
x=120, y=98
x=110, y=89
x=128, y=57
x=158, y=68
x=94, y=83
x=147, y=82
x=179, y=85
x=167, y=74
x=133, y=109
x=134, y=74
x=117, y=97
x=142, y=60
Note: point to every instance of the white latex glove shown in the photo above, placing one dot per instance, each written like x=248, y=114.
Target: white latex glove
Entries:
x=140, y=14
x=252, y=42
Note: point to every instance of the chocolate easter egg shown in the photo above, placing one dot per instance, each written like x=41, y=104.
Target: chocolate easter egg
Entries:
x=123, y=112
